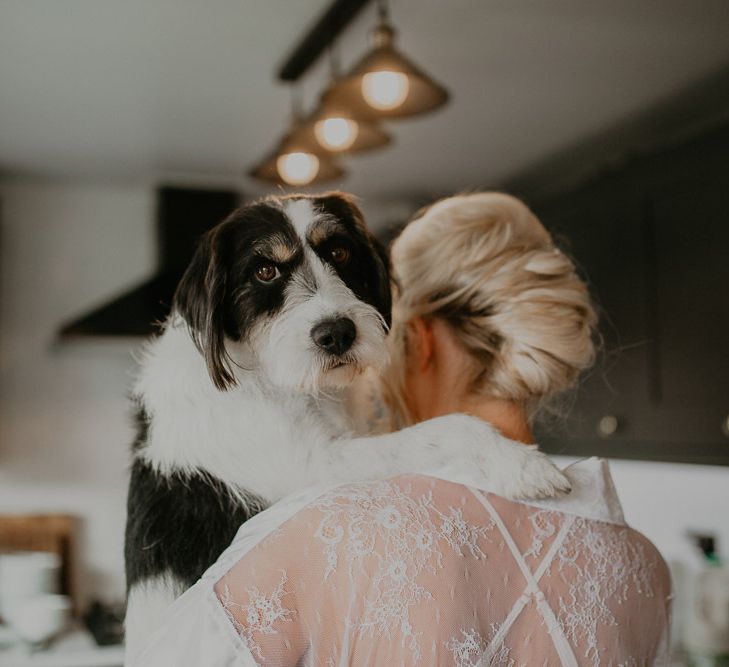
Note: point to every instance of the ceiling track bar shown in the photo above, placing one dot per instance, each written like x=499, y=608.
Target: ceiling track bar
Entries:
x=321, y=35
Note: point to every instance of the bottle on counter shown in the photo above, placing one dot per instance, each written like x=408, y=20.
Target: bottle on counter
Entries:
x=707, y=621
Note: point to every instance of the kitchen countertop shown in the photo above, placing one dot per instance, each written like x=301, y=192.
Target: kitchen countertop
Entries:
x=74, y=649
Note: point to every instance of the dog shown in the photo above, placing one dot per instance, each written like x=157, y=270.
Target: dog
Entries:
x=240, y=403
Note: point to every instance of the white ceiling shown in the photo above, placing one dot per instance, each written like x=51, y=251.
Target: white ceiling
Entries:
x=145, y=89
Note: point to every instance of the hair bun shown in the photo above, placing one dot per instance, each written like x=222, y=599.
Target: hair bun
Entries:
x=486, y=264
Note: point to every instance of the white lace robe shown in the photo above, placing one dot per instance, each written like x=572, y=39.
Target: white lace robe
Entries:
x=421, y=570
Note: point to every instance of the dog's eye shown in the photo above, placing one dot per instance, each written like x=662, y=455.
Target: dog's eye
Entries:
x=267, y=273
x=339, y=255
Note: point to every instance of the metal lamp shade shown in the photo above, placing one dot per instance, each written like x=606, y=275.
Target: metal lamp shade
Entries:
x=297, y=142
x=423, y=95
x=370, y=135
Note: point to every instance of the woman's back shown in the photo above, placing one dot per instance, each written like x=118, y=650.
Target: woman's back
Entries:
x=419, y=570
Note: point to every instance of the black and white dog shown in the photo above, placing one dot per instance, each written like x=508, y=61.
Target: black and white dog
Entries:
x=284, y=303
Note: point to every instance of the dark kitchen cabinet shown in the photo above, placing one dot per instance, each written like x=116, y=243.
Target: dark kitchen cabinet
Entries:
x=652, y=239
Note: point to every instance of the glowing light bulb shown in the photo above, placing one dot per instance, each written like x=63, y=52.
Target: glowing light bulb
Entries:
x=297, y=168
x=336, y=134
x=385, y=90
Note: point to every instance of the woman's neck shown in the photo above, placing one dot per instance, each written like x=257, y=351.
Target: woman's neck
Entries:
x=508, y=417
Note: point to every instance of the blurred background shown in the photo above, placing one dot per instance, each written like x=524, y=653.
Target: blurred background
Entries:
x=128, y=128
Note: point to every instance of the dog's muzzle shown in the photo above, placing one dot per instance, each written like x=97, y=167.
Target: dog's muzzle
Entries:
x=334, y=336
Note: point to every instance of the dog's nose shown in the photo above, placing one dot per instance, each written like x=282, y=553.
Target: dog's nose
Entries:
x=334, y=336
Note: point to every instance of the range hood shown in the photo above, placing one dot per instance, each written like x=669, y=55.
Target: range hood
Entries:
x=183, y=215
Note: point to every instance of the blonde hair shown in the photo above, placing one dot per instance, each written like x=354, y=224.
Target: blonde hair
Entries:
x=484, y=264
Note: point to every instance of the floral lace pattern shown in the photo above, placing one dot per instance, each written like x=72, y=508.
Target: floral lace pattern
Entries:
x=419, y=571
x=469, y=648
x=543, y=528
x=601, y=565
x=261, y=613
x=405, y=535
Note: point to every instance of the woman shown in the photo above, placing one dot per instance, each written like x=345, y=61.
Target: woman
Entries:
x=490, y=320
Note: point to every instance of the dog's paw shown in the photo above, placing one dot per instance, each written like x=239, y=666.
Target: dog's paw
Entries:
x=531, y=476
x=472, y=449
x=510, y=469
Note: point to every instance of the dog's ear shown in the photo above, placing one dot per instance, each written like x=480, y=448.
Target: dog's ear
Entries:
x=201, y=300
x=384, y=279
x=383, y=275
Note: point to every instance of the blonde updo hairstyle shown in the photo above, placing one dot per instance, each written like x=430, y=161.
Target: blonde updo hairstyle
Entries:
x=485, y=265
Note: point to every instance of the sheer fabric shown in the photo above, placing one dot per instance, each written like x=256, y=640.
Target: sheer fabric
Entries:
x=419, y=570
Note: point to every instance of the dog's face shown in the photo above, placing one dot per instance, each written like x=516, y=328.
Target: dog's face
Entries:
x=294, y=288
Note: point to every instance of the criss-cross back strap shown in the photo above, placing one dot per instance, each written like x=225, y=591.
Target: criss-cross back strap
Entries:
x=531, y=590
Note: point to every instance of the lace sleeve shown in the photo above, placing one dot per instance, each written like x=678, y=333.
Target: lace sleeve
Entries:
x=261, y=600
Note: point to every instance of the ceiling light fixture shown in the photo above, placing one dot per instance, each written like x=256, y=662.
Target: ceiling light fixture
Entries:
x=335, y=127
x=299, y=159
x=337, y=133
x=338, y=128
x=292, y=165
x=385, y=82
x=297, y=168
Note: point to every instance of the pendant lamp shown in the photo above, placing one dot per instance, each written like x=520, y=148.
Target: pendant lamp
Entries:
x=298, y=159
x=338, y=128
x=385, y=83
x=335, y=127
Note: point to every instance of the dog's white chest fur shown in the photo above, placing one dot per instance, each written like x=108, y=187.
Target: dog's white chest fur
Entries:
x=253, y=437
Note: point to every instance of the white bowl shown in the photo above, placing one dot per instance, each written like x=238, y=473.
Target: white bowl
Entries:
x=24, y=575
x=38, y=618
